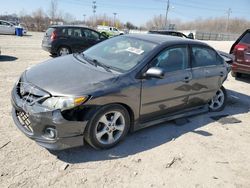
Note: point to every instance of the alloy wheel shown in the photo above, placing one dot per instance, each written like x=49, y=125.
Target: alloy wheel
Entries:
x=217, y=101
x=64, y=51
x=110, y=127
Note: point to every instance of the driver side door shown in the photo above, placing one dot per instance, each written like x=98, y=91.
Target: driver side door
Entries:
x=169, y=94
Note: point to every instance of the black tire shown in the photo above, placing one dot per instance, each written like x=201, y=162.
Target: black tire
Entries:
x=62, y=49
x=236, y=74
x=233, y=74
x=221, y=96
x=95, y=126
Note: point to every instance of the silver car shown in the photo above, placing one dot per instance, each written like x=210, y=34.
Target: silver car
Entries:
x=7, y=28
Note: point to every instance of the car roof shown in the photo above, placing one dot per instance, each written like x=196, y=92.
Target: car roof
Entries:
x=166, y=31
x=5, y=21
x=63, y=26
x=161, y=39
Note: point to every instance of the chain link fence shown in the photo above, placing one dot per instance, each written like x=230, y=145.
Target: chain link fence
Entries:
x=215, y=36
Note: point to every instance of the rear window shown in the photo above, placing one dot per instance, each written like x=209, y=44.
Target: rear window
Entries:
x=49, y=31
x=203, y=56
x=246, y=38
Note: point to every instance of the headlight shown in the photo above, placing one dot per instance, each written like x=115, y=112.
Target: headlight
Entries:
x=64, y=103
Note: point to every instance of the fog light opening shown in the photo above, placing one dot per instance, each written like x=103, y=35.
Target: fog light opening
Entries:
x=50, y=133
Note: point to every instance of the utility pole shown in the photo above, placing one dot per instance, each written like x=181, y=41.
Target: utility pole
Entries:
x=167, y=10
x=94, y=11
x=229, y=11
x=114, y=17
x=84, y=20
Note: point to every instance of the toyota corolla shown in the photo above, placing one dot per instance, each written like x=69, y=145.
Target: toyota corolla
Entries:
x=122, y=84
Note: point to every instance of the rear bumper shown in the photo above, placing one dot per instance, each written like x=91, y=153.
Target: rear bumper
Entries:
x=241, y=68
x=36, y=120
x=48, y=48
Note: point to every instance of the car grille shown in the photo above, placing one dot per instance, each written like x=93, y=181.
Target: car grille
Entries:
x=30, y=93
x=24, y=120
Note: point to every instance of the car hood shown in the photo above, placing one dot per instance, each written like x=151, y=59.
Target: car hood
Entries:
x=68, y=76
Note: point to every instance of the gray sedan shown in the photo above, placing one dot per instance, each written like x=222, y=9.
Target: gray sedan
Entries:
x=122, y=84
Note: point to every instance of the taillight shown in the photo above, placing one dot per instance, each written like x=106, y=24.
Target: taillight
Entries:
x=53, y=35
x=239, y=52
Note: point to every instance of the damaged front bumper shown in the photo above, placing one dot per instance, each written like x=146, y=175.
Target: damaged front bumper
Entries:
x=48, y=128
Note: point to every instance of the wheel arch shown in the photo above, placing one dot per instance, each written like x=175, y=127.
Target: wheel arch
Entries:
x=131, y=115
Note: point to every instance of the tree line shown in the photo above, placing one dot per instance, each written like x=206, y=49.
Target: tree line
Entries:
x=39, y=20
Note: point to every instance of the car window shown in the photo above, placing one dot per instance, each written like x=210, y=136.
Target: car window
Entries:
x=172, y=59
x=49, y=31
x=73, y=32
x=5, y=23
x=246, y=38
x=202, y=56
x=90, y=34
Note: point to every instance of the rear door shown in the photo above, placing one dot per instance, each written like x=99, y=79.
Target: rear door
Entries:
x=208, y=74
x=91, y=38
x=75, y=38
x=170, y=94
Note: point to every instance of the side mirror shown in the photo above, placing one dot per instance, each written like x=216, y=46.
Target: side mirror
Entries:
x=154, y=72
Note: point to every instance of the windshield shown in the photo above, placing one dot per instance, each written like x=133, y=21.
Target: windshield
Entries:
x=120, y=53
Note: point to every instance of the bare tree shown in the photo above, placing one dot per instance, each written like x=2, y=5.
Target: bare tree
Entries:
x=53, y=9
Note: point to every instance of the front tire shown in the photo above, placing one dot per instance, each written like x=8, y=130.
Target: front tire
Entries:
x=218, y=102
x=107, y=127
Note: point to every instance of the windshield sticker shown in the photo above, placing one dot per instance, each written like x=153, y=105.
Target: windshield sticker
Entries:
x=135, y=50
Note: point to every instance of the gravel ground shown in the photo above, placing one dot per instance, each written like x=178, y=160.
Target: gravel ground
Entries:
x=202, y=153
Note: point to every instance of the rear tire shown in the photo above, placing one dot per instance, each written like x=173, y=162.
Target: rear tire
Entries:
x=236, y=74
x=233, y=74
x=63, y=50
x=218, y=102
x=107, y=127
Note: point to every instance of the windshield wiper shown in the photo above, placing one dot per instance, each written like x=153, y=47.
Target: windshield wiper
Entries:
x=90, y=61
x=97, y=63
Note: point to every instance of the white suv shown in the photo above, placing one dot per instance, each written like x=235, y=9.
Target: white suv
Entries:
x=109, y=31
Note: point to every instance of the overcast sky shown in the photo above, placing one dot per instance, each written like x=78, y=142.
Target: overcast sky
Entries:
x=136, y=11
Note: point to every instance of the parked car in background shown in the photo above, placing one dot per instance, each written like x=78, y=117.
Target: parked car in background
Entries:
x=241, y=51
x=172, y=33
x=125, y=83
x=63, y=40
x=109, y=31
x=7, y=28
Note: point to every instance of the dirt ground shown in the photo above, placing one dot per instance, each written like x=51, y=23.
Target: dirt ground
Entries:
x=202, y=153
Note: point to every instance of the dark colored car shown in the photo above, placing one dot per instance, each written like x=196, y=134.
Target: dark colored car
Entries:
x=241, y=51
x=124, y=83
x=171, y=33
x=63, y=40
